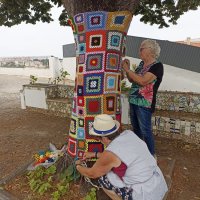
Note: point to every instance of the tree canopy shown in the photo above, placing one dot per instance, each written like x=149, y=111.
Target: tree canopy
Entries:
x=160, y=12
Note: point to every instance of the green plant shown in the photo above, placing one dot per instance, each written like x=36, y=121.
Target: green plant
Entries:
x=124, y=87
x=33, y=79
x=62, y=76
x=43, y=180
x=91, y=194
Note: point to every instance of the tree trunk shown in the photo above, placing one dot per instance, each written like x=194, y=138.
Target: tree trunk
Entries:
x=74, y=7
x=99, y=29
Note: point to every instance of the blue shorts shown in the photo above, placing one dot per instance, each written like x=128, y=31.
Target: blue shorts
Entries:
x=125, y=193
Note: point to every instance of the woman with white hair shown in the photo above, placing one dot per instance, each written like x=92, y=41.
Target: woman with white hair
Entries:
x=126, y=169
x=142, y=96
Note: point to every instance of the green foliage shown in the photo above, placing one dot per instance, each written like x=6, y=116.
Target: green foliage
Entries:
x=50, y=170
x=91, y=195
x=161, y=12
x=43, y=180
x=33, y=79
x=124, y=87
x=62, y=76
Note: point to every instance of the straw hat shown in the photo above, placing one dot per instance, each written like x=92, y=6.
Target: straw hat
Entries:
x=104, y=125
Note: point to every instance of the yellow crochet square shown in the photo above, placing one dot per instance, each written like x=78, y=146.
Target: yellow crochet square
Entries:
x=119, y=21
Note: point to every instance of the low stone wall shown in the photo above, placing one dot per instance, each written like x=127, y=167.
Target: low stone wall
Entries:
x=60, y=91
x=178, y=101
x=178, y=115
x=59, y=100
x=60, y=107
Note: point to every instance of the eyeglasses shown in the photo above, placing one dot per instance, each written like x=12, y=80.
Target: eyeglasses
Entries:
x=142, y=48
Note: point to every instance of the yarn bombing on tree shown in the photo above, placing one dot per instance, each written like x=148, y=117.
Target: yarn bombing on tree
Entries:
x=100, y=38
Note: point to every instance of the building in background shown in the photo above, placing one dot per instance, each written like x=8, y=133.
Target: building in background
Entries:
x=192, y=42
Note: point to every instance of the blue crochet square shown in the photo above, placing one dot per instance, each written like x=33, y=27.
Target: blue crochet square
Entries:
x=95, y=20
x=82, y=48
x=81, y=133
x=79, y=90
x=93, y=84
x=114, y=40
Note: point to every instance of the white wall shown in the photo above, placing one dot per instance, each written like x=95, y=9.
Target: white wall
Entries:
x=69, y=64
x=51, y=72
x=35, y=97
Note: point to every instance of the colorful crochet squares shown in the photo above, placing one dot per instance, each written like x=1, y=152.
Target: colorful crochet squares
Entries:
x=111, y=81
x=115, y=41
x=80, y=154
x=94, y=146
x=96, y=41
x=109, y=104
x=80, y=111
x=81, y=59
x=93, y=105
x=95, y=20
x=100, y=42
x=94, y=62
x=80, y=133
x=81, y=38
x=73, y=127
x=112, y=61
x=72, y=147
x=81, y=48
x=79, y=90
x=93, y=84
x=88, y=124
x=81, y=144
x=80, y=68
x=80, y=101
x=81, y=122
x=119, y=21
x=74, y=105
x=79, y=79
x=79, y=18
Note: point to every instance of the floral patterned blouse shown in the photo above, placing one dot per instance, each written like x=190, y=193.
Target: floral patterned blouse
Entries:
x=146, y=95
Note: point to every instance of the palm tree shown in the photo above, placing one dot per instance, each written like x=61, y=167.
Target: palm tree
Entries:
x=99, y=28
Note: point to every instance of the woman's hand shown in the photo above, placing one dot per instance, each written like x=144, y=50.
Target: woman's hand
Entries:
x=78, y=162
x=126, y=65
x=88, y=155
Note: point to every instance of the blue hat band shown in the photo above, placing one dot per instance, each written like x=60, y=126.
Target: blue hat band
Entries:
x=105, y=132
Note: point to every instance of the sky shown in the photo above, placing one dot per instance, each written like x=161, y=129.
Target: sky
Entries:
x=45, y=39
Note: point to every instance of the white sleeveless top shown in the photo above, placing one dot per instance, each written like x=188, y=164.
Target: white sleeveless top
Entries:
x=142, y=173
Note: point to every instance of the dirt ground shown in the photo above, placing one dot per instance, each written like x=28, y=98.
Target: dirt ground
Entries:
x=23, y=133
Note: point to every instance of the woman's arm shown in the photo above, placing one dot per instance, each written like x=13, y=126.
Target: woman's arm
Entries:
x=147, y=78
x=88, y=155
x=103, y=165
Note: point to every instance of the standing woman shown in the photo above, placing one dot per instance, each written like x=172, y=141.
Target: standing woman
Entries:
x=142, y=96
